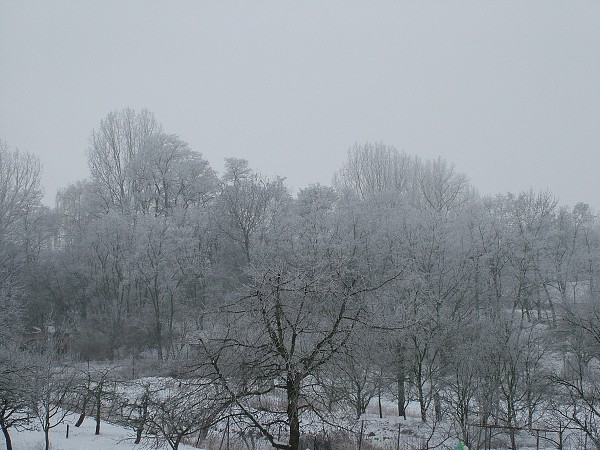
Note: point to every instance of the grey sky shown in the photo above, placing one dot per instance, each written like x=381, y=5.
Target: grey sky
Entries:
x=507, y=91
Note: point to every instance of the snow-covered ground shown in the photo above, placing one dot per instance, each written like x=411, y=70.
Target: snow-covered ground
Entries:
x=378, y=433
x=83, y=438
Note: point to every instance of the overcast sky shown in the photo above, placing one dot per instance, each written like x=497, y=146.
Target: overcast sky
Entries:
x=507, y=91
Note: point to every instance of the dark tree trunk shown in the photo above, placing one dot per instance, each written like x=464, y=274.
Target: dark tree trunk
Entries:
x=293, y=394
x=401, y=395
x=6, y=435
x=421, y=395
x=437, y=405
x=379, y=401
x=82, y=415
x=513, y=442
x=159, y=341
x=400, y=377
x=80, y=420
x=177, y=441
x=98, y=408
x=143, y=417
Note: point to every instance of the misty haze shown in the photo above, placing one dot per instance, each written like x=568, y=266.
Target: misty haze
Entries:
x=299, y=226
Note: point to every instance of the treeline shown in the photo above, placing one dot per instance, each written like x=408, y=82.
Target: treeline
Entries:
x=399, y=281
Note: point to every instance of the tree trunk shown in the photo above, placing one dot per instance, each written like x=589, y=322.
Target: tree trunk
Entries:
x=437, y=405
x=82, y=415
x=379, y=401
x=143, y=418
x=401, y=394
x=159, y=342
x=176, y=443
x=421, y=395
x=247, y=246
x=358, y=405
x=513, y=442
x=47, y=428
x=6, y=435
x=422, y=405
x=98, y=406
x=293, y=395
x=80, y=420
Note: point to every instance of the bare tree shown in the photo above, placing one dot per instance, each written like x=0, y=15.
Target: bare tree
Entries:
x=15, y=374
x=93, y=385
x=246, y=199
x=577, y=400
x=276, y=338
x=108, y=271
x=113, y=145
x=52, y=382
x=159, y=275
x=19, y=187
x=184, y=407
x=441, y=187
x=12, y=309
x=356, y=374
x=373, y=168
x=168, y=174
x=134, y=402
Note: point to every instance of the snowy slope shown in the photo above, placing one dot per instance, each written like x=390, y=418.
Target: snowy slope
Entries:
x=83, y=438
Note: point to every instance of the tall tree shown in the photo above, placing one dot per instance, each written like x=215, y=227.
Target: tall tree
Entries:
x=50, y=386
x=246, y=201
x=167, y=174
x=300, y=304
x=20, y=190
x=577, y=399
x=373, y=168
x=118, y=139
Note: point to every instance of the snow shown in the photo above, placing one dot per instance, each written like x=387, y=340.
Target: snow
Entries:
x=83, y=438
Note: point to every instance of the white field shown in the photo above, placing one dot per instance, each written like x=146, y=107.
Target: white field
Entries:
x=83, y=438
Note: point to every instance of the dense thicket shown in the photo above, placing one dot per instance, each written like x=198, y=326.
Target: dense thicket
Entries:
x=399, y=281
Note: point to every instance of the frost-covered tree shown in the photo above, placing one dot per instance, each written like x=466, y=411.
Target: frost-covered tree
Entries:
x=15, y=376
x=301, y=303
x=246, y=202
x=118, y=139
x=159, y=275
x=272, y=341
x=373, y=168
x=51, y=384
x=577, y=399
x=181, y=408
x=110, y=277
x=167, y=175
x=20, y=190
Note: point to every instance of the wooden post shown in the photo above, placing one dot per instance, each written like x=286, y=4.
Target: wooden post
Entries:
x=67, y=431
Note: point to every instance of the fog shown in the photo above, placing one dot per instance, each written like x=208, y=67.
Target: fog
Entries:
x=508, y=91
